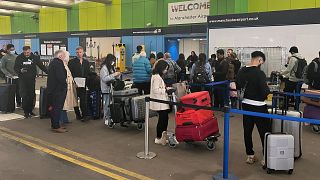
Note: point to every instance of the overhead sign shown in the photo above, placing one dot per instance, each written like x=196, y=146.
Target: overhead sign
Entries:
x=188, y=12
x=275, y=18
x=49, y=46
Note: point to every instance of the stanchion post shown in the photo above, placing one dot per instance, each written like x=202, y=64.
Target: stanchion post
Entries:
x=225, y=174
x=146, y=154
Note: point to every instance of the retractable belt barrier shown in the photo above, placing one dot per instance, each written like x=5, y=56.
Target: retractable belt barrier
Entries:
x=227, y=110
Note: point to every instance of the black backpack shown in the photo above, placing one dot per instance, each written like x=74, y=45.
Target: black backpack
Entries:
x=301, y=65
x=200, y=75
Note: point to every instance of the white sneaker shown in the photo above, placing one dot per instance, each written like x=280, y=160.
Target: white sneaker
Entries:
x=158, y=141
x=106, y=121
x=263, y=163
x=251, y=159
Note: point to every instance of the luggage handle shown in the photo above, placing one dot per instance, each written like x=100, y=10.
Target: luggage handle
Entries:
x=187, y=123
x=204, y=100
x=195, y=100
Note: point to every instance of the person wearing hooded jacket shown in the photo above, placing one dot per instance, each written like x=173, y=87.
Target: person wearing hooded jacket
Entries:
x=142, y=74
x=252, y=80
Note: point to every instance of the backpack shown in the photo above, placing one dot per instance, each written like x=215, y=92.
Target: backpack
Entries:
x=171, y=70
x=301, y=67
x=200, y=75
x=306, y=76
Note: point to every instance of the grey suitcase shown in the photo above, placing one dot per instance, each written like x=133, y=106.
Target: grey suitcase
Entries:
x=290, y=127
x=138, y=108
x=279, y=152
x=121, y=96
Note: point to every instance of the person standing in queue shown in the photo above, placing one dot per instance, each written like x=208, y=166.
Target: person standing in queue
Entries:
x=26, y=68
x=57, y=89
x=252, y=80
x=7, y=67
x=159, y=91
x=80, y=68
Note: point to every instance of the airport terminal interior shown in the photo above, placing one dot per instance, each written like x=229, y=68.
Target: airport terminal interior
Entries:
x=159, y=89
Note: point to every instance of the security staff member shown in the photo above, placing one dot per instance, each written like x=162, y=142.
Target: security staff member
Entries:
x=26, y=68
x=80, y=68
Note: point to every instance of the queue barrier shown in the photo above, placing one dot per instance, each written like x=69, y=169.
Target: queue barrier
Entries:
x=227, y=110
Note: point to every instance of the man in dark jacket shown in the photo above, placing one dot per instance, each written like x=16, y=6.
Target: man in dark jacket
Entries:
x=57, y=89
x=80, y=68
x=252, y=80
x=313, y=73
x=26, y=68
x=220, y=74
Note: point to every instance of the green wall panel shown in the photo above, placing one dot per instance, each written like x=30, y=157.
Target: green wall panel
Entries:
x=213, y=7
x=302, y=4
x=5, y=25
x=24, y=22
x=318, y=3
x=126, y=14
x=114, y=15
x=138, y=13
x=276, y=5
x=98, y=16
x=73, y=18
x=258, y=5
x=53, y=20
x=241, y=6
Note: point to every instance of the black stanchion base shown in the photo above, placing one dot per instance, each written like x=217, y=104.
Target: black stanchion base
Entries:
x=220, y=177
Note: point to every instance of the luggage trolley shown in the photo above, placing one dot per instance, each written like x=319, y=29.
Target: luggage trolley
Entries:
x=172, y=139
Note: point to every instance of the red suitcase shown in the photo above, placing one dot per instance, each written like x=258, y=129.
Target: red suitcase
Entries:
x=197, y=132
x=195, y=117
x=201, y=98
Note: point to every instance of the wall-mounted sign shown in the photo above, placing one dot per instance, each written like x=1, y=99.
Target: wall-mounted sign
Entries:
x=48, y=47
x=188, y=12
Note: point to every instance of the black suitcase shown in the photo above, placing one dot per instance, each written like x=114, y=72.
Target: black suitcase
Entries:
x=43, y=103
x=117, y=112
x=7, y=96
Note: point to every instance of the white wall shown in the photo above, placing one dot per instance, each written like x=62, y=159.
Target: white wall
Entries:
x=188, y=45
x=105, y=45
x=305, y=37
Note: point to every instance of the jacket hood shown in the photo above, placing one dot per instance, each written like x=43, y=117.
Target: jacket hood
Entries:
x=298, y=55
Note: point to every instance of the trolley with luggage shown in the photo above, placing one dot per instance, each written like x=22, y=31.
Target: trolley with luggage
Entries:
x=194, y=125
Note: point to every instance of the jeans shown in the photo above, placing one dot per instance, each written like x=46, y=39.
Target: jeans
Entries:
x=63, y=117
x=162, y=122
x=145, y=87
x=106, y=108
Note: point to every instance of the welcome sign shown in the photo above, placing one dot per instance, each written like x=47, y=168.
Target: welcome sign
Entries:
x=188, y=12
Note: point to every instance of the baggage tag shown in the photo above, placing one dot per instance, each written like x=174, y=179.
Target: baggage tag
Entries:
x=27, y=63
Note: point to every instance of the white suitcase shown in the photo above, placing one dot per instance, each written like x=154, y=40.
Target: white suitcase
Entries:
x=289, y=127
x=279, y=152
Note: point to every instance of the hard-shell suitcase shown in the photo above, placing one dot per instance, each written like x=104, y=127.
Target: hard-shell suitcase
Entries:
x=201, y=98
x=94, y=103
x=195, y=117
x=121, y=96
x=279, y=152
x=290, y=127
x=43, y=103
x=136, y=108
x=7, y=96
x=199, y=132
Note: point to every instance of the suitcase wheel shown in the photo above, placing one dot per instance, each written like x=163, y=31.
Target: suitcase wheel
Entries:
x=211, y=145
x=140, y=126
x=316, y=129
x=290, y=171
x=172, y=144
x=111, y=125
x=269, y=171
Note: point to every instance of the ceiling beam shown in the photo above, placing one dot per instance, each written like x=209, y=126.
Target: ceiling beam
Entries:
x=43, y=3
x=102, y=1
x=6, y=14
x=18, y=8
